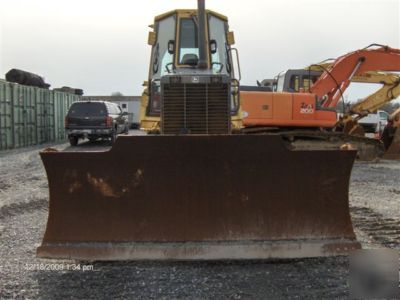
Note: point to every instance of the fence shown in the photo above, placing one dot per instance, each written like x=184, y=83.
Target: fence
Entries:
x=31, y=116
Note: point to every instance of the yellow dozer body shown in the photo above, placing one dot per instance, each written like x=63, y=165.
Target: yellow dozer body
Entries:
x=196, y=187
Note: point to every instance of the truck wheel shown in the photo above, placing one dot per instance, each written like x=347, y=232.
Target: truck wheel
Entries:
x=73, y=140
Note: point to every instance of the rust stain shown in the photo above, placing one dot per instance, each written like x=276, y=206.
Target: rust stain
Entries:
x=138, y=178
x=102, y=186
x=244, y=198
x=74, y=187
x=50, y=150
x=347, y=146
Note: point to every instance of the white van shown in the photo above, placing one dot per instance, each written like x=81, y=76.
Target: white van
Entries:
x=374, y=124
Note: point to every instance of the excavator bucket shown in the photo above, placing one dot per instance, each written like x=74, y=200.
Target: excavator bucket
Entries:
x=393, y=145
x=204, y=197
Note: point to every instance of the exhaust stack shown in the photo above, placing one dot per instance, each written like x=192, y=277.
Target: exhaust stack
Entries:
x=202, y=43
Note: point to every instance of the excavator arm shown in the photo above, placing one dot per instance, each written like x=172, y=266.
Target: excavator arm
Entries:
x=336, y=78
x=389, y=91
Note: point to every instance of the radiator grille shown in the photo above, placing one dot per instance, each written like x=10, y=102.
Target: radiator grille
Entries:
x=195, y=108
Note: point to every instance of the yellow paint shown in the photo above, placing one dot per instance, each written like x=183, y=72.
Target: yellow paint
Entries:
x=152, y=123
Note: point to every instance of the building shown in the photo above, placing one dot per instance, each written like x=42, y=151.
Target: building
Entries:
x=130, y=104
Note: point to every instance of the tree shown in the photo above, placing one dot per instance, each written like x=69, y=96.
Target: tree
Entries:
x=117, y=94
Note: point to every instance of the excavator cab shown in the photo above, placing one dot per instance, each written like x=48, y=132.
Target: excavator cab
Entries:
x=293, y=81
x=195, y=187
x=192, y=53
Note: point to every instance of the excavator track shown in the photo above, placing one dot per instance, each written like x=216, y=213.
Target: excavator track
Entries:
x=367, y=149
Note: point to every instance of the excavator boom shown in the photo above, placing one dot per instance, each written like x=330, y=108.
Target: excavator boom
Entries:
x=390, y=88
x=335, y=80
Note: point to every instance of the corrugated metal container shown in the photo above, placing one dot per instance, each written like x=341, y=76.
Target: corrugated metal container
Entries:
x=62, y=102
x=30, y=115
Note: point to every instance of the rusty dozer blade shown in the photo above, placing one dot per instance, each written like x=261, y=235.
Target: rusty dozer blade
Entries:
x=198, y=197
x=393, y=146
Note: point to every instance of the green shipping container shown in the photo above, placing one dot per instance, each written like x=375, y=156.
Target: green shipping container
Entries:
x=31, y=116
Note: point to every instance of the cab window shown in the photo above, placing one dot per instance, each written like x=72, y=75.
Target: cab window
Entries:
x=281, y=82
x=383, y=115
x=188, y=44
x=294, y=83
x=161, y=62
x=219, y=59
x=307, y=82
x=160, y=56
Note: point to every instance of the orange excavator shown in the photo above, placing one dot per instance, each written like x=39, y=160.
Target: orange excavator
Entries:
x=310, y=111
x=295, y=80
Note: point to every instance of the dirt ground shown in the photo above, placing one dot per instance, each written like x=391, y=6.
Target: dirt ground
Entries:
x=375, y=206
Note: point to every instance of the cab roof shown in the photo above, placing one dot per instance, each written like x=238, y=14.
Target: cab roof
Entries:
x=187, y=11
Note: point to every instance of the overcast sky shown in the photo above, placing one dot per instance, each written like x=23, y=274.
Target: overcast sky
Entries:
x=101, y=46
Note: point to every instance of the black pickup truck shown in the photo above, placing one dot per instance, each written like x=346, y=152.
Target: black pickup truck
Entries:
x=95, y=120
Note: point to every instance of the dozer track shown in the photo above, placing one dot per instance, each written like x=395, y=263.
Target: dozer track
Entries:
x=198, y=198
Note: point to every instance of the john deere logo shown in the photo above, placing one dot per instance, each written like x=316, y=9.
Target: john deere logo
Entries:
x=195, y=79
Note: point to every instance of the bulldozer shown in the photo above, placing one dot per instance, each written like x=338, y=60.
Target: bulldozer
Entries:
x=196, y=187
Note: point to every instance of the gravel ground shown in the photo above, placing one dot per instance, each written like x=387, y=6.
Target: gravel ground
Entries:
x=375, y=206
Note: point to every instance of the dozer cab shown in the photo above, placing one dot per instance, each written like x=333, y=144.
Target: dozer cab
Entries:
x=195, y=187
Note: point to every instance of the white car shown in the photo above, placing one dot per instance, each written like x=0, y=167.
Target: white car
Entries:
x=374, y=123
